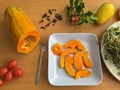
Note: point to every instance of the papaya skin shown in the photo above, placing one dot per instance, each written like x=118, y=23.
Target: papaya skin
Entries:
x=105, y=12
x=21, y=29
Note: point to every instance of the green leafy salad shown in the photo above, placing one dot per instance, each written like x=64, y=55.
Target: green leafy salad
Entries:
x=111, y=45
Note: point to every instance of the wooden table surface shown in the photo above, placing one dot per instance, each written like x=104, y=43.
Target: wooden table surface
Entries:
x=29, y=62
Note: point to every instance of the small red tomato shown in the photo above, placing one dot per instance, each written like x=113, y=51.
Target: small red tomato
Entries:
x=73, y=19
x=1, y=83
x=3, y=71
x=9, y=76
x=12, y=64
x=76, y=18
x=17, y=72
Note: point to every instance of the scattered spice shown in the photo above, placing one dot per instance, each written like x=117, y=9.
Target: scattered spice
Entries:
x=43, y=27
x=45, y=15
x=54, y=21
x=41, y=21
x=47, y=25
x=53, y=9
x=58, y=16
x=49, y=11
x=50, y=18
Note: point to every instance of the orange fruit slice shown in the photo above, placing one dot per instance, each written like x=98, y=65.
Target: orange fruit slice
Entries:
x=83, y=73
x=64, y=53
x=57, y=49
x=68, y=65
x=74, y=44
x=80, y=45
x=86, y=60
x=78, y=60
x=70, y=44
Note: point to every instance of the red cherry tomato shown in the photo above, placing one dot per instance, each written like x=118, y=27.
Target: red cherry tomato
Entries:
x=12, y=64
x=3, y=71
x=76, y=18
x=17, y=72
x=9, y=76
x=1, y=83
x=73, y=19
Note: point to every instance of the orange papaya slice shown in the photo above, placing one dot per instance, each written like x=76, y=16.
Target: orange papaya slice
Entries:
x=69, y=59
x=74, y=44
x=80, y=45
x=86, y=60
x=83, y=73
x=70, y=44
x=64, y=53
x=68, y=65
x=57, y=49
x=62, y=60
x=78, y=60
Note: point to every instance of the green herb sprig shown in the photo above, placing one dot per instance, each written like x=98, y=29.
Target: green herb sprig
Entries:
x=76, y=14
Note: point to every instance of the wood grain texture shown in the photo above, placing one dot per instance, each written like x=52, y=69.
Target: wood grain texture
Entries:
x=28, y=62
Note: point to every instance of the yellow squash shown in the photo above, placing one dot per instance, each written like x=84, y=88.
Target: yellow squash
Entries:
x=105, y=12
x=21, y=30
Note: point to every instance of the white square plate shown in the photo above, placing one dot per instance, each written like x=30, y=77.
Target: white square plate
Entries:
x=58, y=76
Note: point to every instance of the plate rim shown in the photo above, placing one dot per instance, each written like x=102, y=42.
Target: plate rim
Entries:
x=96, y=38
x=115, y=24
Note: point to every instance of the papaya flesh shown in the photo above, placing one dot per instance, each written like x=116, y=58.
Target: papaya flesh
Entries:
x=86, y=60
x=78, y=63
x=83, y=73
x=63, y=55
x=21, y=29
x=74, y=58
x=57, y=49
x=70, y=44
x=74, y=44
x=68, y=65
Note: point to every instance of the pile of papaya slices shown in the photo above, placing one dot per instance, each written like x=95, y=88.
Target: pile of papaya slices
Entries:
x=74, y=58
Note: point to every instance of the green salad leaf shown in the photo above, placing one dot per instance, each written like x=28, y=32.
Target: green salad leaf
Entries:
x=112, y=45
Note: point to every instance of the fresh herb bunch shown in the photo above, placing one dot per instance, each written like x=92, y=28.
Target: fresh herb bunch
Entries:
x=76, y=14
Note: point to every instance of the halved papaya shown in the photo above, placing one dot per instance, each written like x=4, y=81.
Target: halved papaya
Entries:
x=57, y=49
x=21, y=29
x=68, y=65
x=64, y=53
x=86, y=60
x=78, y=60
x=83, y=73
